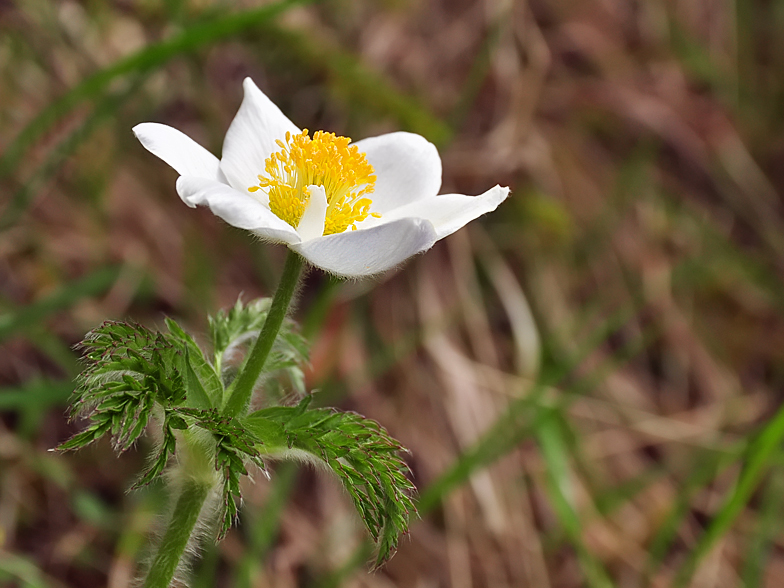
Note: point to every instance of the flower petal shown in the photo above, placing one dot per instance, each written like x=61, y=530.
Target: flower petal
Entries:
x=237, y=209
x=251, y=137
x=449, y=212
x=407, y=167
x=311, y=225
x=371, y=251
x=177, y=149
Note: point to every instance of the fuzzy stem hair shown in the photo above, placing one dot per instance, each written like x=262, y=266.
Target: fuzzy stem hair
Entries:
x=186, y=514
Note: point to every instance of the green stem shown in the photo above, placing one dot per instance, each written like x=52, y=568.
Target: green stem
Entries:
x=242, y=387
x=183, y=520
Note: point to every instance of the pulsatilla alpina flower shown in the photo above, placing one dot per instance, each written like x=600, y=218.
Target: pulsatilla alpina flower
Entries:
x=353, y=209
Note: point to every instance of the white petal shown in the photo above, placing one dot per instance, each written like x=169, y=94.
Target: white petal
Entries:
x=311, y=225
x=177, y=149
x=407, y=166
x=238, y=209
x=449, y=212
x=251, y=137
x=372, y=251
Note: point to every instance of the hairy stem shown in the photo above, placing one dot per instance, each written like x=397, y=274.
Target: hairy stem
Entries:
x=181, y=526
x=242, y=387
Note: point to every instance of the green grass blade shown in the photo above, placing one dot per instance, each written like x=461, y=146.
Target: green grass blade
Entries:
x=706, y=466
x=32, y=400
x=757, y=458
x=57, y=350
x=517, y=424
x=36, y=395
x=524, y=414
x=520, y=421
x=559, y=488
x=16, y=568
x=768, y=528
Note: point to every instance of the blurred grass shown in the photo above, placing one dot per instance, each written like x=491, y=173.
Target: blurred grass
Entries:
x=66, y=296
x=755, y=458
x=149, y=58
x=642, y=291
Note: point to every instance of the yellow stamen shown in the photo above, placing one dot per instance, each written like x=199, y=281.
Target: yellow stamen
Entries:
x=323, y=160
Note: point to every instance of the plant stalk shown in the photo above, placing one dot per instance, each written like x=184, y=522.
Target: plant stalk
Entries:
x=181, y=526
x=242, y=388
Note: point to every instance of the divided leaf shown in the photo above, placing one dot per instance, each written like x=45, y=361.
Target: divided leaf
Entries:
x=362, y=454
x=203, y=383
x=158, y=463
x=129, y=369
x=234, y=331
x=234, y=445
x=132, y=356
x=132, y=371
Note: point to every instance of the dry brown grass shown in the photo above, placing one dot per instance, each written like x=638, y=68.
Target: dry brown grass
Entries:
x=642, y=142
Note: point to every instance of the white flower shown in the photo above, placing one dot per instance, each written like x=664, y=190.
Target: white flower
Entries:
x=351, y=209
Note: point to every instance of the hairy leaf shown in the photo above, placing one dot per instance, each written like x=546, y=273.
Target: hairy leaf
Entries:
x=361, y=453
x=130, y=354
x=158, y=463
x=129, y=369
x=234, y=445
x=204, y=386
x=234, y=331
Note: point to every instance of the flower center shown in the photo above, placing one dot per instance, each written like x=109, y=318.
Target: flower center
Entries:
x=323, y=160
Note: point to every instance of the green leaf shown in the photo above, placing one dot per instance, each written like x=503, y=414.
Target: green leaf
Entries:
x=236, y=443
x=128, y=356
x=266, y=430
x=766, y=530
x=756, y=462
x=560, y=490
x=176, y=422
x=364, y=456
x=95, y=431
x=158, y=463
x=204, y=385
x=129, y=369
x=198, y=397
x=228, y=327
x=234, y=331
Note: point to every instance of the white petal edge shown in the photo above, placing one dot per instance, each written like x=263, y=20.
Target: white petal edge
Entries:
x=449, y=212
x=311, y=225
x=251, y=137
x=177, y=149
x=238, y=209
x=407, y=166
x=361, y=253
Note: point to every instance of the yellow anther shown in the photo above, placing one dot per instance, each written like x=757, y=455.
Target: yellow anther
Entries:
x=323, y=160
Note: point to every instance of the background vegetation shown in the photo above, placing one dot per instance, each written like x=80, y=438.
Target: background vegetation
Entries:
x=589, y=379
